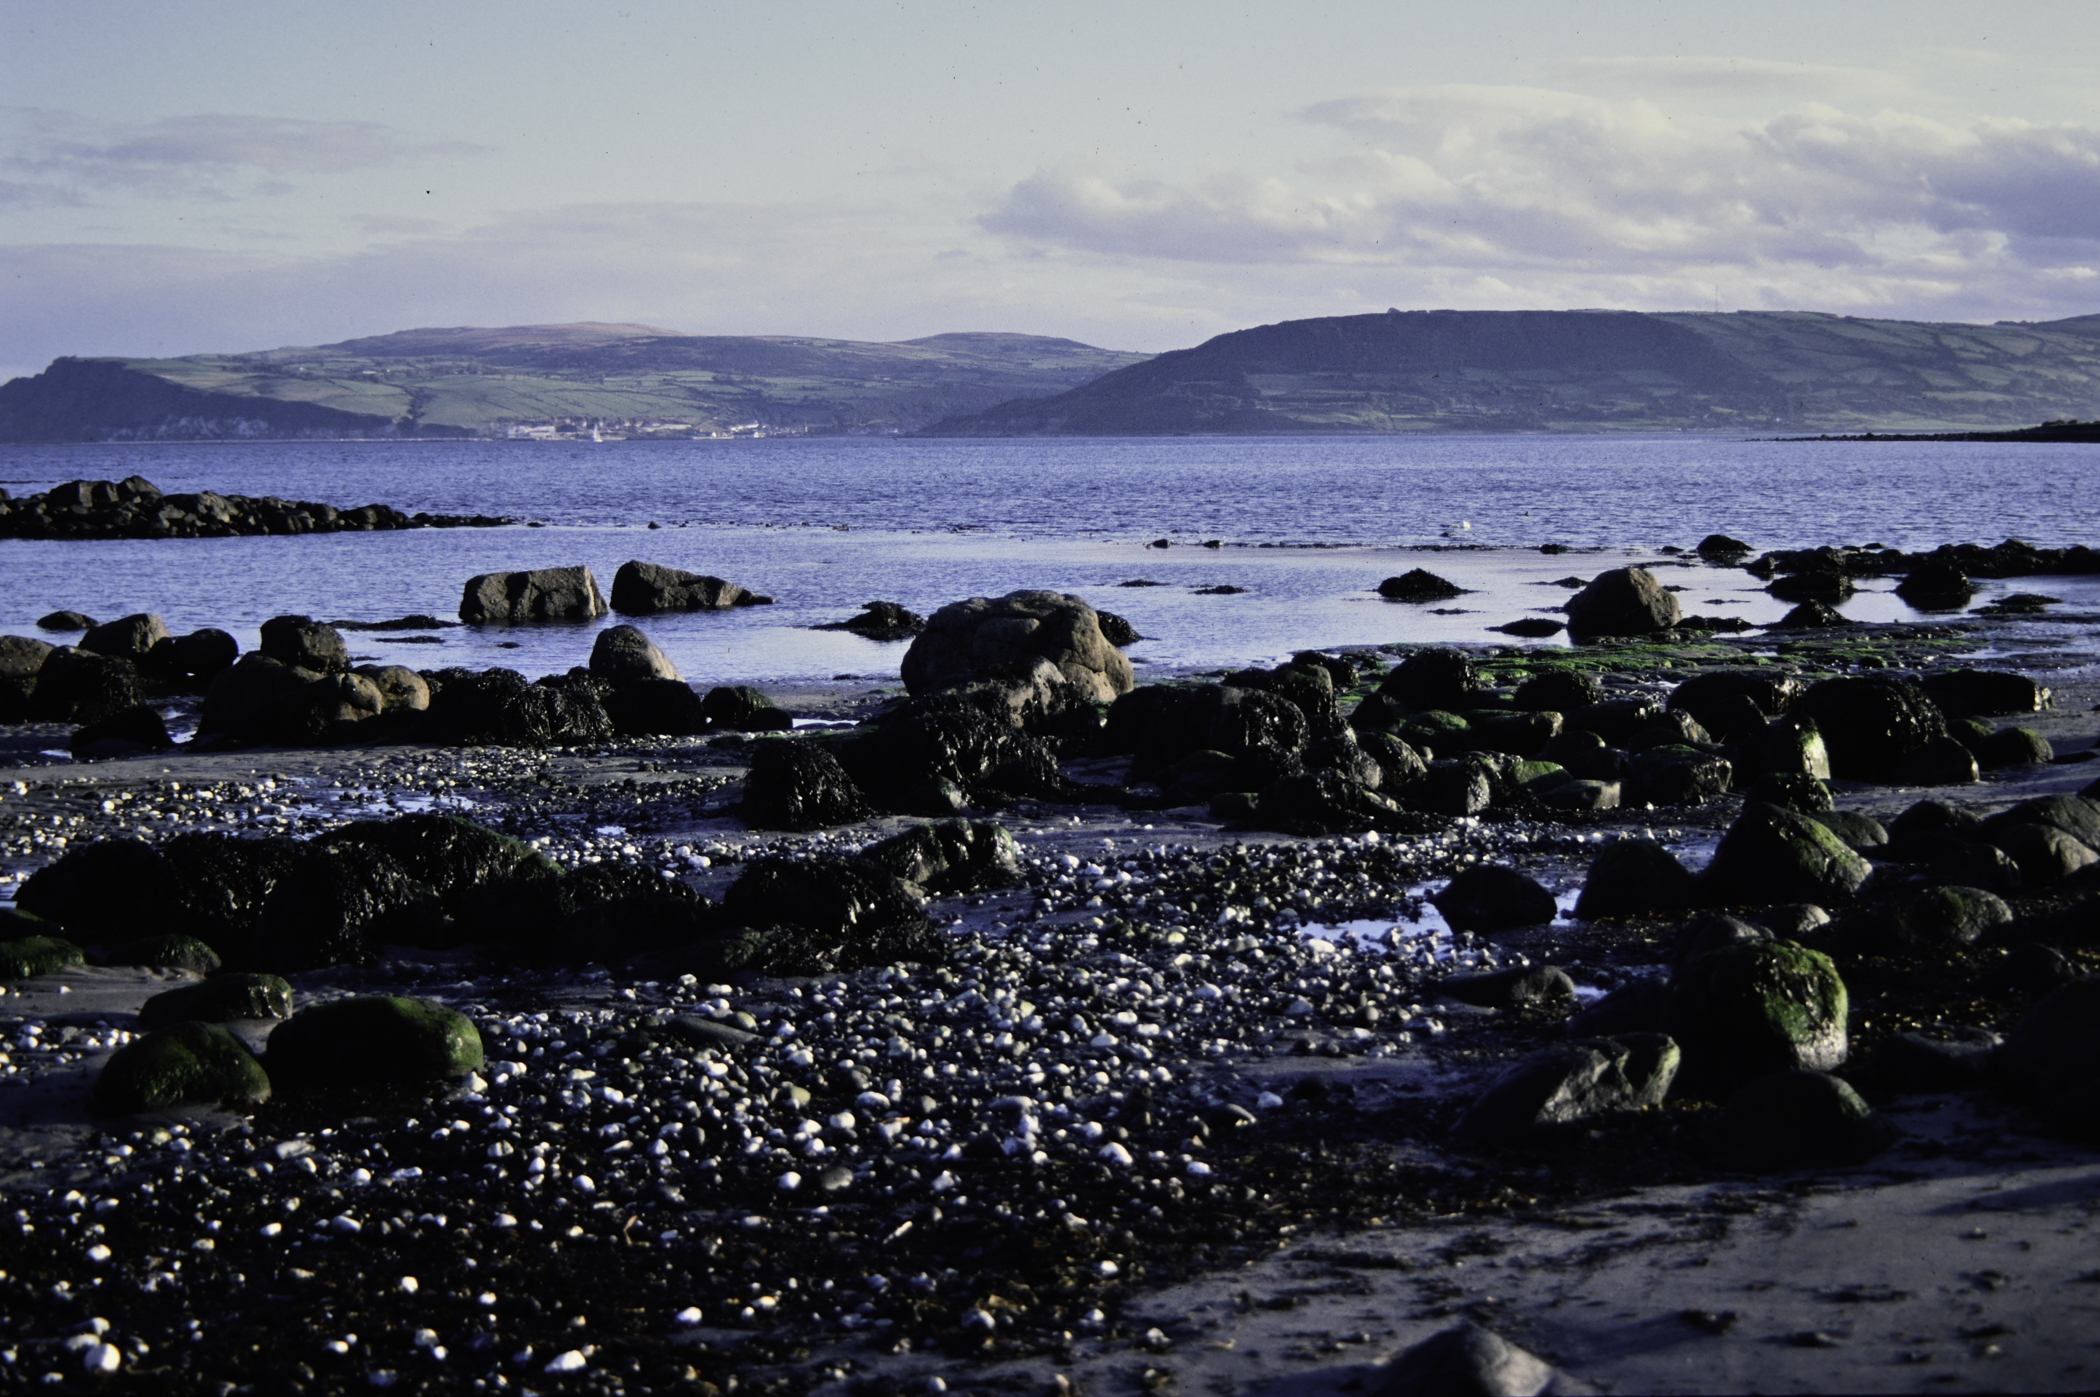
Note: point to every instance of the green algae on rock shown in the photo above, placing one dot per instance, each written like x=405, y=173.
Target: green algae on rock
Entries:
x=1752, y=1008
x=37, y=955
x=373, y=1040
x=184, y=1064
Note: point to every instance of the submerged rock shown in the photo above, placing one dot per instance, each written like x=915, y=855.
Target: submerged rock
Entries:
x=887, y=620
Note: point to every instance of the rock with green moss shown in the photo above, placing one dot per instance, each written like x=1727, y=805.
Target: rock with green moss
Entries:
x=1520, y=734
x=1797, y=1120
x=1771, y=855
x=1753, y=1008
x=373, y=1040
x=1860, y=832
x=1937, y=919
x=1792, y=746
x=38, y=955
x=1571, y=1083
x=1536, y=778
x=188, y=1063
x=1795, y=791
x=223, y=997
x=1673, y=774
x=1438, y=731
x=2013, y=747
x=167, y=952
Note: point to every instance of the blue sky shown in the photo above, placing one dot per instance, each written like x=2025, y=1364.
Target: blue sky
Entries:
x=185, y=177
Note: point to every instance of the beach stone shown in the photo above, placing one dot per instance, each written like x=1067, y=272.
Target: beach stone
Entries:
x=2077, y=816
x=1614, y=720
x=223, y=997
x=1634, y=877
x=372, y=1040
x=496, y=707
x=1520, y=987
x=742, y=708
x=1466, y=1361
x=1712, y=932
x=795, y=785
x=21, y=656
x=1570, y=1083
x=1492, y=897
x=1769, y=855
x=1748, y=1009
x=400, y=688
x=1583, y=794
x=1442, y=678
x=203, y=653
x=182, y=1064
x=1770, y=689
x=1678, y=775
x=130, y=638
x=1722, y=548
x=1436, y=730
x=1927, y=816
x=1399, y=765
x=2044, y=853
x=1939, y=918
x=1456, y=786
x=1559, y=691
x=623, y=654
x=2013, y=747
x=2052, y=1058
x=1635, y=1008
x=1936, y=584
x=886, y=620
x=1799, y=1119
x=643, y=589
x=1323, y=802
x=1941, y=1058
x=1669, y=728
x=1045, y=647
x=1419, y=585
x=1811, y=616
x=1942, y=761
x=168, y=951
x=1377, y=712
x=1860, y=832
x=950, y=857
x=448, y=854
x=80, y=686
x=657, y=708
x=1872, y=724
x=1520, y=734
x=1622, y=602
x=131, y=733
x=28, y=956
x=67, y=621
x=1981, y=693
x=304, y=643
x=547, y=594
x=1795, y=791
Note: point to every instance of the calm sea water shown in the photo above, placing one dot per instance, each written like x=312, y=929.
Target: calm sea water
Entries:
x=1309, y=527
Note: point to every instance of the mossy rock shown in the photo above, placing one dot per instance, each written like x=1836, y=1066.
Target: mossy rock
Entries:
x=1753, y=1008
x=1797, y=1120
x=184, y=1064
x=167, y=952
x=373, y=1040
x=1534, y=777
x=38, y=955
x=1772, y=855
x=223, y=997
x=1436, y=729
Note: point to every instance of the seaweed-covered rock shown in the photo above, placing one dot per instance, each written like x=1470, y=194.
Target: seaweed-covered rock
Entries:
x=372, y=1040
x=1800, y=1119
x=1323, y=802
x=1713, y=696
x=887, y=620
x=1559, y=691
x=1492, y=897
x=135, y=732
x=304, y=643
x=80, y=686
x=447, y=854
x=605, y=912
x=1622, y=602
x=847, y=914
x=1860, y=832
x=1791, y=745
x=1773, y=855
x=1811, y=616
x=930, y=756
x=657, y=708
x=108, y=891
x=338, y=905
x=26, y=956
x=1570, y=1083
x=547, y=594
x=168, y=951
x=742, y=708
x=800, y=786
x=622, y=654
x=1750, y=1009
x=1419, y=585
x=1936, y=584
x=1872, y=723
x=1614, y=720
x=223, y=997
x=1795, y=791
x=1985, y=693
x=1520, y=734
x=1439, y=678
x=186, y=1063
x=1399, y=765
x=496, y=707
x=1679, y=775
x=644, y=589
x=950, y=856
x=1634, y=877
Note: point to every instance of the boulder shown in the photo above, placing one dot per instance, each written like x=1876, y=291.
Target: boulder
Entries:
x=1256, y=724
x=1712, y=695
x=1043, y=649
x=1435, y=731
x=1942, y=918
x=1860, y=832
x=262, y=699
x=401, y=689
x=1678, y=775
x=1981, y=693
x=106, y=892
x=1790, y=746
x=1669, y=728
x=886, y=620
x=1804, y=795
x=131, y=638
x=1936, y=584
x=741, y=708
x=168, y=951
x=67, y=621
x=1622, y=602
x=1520, y=987
x=185, y=1063
x=1713, y=932
x=1772, y=855
x=304, y=643
x=1639, y=1007
x=339, y=904
x=1790, y=921
x=847, y=915
x=1491, y=897
x=223, y=997
x=1811, y=616
x=1323, y=802
x=21, y=656
x=1872, y=724
x=1583, y=794
x=1826, y=588
x=2052, y=1058
x=2044, y=853
x=950, y=857
x=1442, y=679
x=2013, y=747
x=27, y=956
x=657, y=708
x=1398, y=764
x=623, y=654
x=1720, y=548
x=1940, y=761
x=1468, y=1361
x=1519, y=734
x=1799, y=1119
x=1570, y=1083
x=1559, y=691
x=2077, y=816
x=548, y=594
x=372, y=1040
x=80, y=686
x=1614, y=720
x=496, y=707
x=605, y=912
x=448, y=854
x=1633, y=878
x=643, y=589
x=1419, y=585
x=796, y=785
x=932, y=756
x=1749, y=1009
x=203, y=653
x=131, y=733
x=1456, y=786
x=1944, y=1057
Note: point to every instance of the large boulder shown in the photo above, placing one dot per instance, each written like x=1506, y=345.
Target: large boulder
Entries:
x=497, y=707
x=304, y=643
x=1872, y=723
x=1797, y=1119
x=644, y=589
x=2052, y=1057
x=80, y=686
x=1985, y=693
x=1491, y=897
x=1559, y=691
x=2077, y=816
x=848, y=914
x=373, y=1040
x=622, y=654
x=21, y=656
x=1043, y=650
x=261, y=699
x=934, y=755
x=1937, y=584
x=742, y=708
x=1771, y=855
x=1673, y=774
x=1633, y=878
x=656, y=708
x=203, y=653
x=1622, y=602
x=135, y=732
x=339, y=904
x=800, y=786
x=401, y=689
x=548, y=594
x=1442, y=679
x=222, y=997
x=182, y=1064
x=1714, y=697
x=950, y=856
x=448, y=854
x=1573, y=1082
x=130, y=638
x=110, y=891
x=1756, y=1007
x=1933, y=920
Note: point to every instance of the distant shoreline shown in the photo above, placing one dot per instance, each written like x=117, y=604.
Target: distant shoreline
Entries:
x=2067, y=431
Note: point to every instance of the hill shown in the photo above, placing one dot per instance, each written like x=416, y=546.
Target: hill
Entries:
x=545, y=380
x=1550, y=371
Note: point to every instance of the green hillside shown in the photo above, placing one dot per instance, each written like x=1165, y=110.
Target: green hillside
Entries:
x=1584, y=371
x=622, y=380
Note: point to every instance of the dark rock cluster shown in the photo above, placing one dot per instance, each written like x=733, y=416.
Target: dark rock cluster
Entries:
x=135, y=507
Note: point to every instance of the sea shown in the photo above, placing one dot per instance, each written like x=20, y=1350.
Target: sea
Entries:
x=1301, y=529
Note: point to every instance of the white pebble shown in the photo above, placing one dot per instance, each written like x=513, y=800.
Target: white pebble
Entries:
x=1114, y=1153
x=789, y=1182
x=408, y=1284
x=689, y=1315
x=103, y=1358
x=571, y=1362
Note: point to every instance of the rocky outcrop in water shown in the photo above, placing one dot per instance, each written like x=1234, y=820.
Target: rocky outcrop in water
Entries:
x=135, y=507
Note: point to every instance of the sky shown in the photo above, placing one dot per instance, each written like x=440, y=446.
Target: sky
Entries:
x=182, y=177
